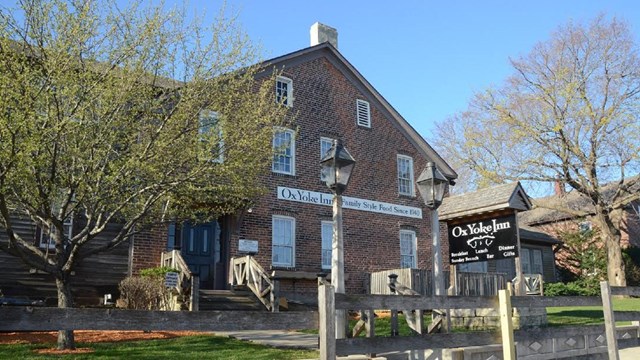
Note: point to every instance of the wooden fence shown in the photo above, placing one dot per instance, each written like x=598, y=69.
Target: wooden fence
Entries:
x=421, y=280
x=19, y=318
x=529, y=343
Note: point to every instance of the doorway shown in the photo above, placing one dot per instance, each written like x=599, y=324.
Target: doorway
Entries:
x=204, y=253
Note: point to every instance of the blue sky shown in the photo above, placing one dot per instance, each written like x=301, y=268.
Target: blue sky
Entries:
x=425, y=57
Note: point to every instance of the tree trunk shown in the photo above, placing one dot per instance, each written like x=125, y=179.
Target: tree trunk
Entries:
x=611, y=237
x=66, y=339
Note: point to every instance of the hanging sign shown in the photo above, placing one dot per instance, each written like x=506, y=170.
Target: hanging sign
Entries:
x=489, y=239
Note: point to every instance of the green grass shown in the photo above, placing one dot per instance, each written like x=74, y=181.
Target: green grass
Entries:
x=588, y=315
x=188, y=347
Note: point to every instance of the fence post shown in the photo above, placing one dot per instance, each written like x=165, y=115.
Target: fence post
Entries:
x=326, y=320
x=195, y=293
x=609, y=321
x=394, y=322
x=506, y=325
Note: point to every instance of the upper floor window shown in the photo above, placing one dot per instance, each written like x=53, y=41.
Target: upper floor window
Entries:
x=284, y=91
x=408, y=246
x=327, y=240
x=46, y=241
x=363, y=113
x=531, y=261
x=325, y=145
x=284, y=148
x=405, y=175
x=210, y=133
x=283, y=234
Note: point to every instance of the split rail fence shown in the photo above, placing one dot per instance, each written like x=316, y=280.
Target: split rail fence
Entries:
x=528, y=343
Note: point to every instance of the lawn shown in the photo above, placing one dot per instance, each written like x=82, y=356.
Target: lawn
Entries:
x=188, y=347
x=589, y=315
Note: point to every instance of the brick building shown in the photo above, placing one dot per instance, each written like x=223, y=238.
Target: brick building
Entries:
x=386, y=224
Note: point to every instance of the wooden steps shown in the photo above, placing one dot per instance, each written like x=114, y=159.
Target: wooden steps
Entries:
x=211, y=300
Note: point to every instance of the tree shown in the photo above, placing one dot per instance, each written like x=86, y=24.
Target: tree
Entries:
x=123, y=115
x=568, y=113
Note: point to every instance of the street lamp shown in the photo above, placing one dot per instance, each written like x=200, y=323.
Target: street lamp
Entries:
x=337, y=166
x=432, y=185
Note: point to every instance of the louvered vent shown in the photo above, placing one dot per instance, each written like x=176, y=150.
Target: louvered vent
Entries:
x=363, y=113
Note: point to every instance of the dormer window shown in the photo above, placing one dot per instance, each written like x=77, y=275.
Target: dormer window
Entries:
x=210, y=133
x=284, y=91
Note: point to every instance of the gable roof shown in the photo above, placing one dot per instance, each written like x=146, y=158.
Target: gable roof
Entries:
x=500, y=197
x=329, y=52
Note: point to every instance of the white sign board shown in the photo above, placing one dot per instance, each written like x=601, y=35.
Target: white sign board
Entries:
x=248, y=246
x=312, y=197
x=171, y=279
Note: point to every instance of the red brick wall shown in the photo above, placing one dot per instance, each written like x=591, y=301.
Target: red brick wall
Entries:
x=148, y=247
x=325, y=105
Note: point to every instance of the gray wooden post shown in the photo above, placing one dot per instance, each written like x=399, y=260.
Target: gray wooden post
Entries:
x=394, y=322
x=609, y=321
x=195, y=293
x=370, y=327
x=326, y=320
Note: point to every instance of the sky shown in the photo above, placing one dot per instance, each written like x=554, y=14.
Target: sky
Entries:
x=426, y=58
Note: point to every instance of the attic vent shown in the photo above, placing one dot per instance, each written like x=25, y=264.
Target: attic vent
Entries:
x=363, y=113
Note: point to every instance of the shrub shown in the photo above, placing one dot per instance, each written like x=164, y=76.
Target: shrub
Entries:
x=582, y=287
x=147, y=291
x=631, y=257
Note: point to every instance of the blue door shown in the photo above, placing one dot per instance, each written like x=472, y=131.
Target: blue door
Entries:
x=201, y=251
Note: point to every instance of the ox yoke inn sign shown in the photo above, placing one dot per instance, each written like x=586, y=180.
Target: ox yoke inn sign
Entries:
x=489, y=239
x=313, y=197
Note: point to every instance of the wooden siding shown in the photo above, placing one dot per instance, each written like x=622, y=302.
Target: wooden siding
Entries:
x=94, y=277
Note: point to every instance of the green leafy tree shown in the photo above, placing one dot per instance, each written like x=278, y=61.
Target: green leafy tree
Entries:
x=123, y=115
x=568, y=113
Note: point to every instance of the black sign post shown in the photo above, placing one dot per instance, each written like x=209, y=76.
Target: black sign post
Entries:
x=488, y=239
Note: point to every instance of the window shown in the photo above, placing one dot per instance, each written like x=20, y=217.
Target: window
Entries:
x=531, y=260
x=210, y=132
x=283, y=241
x=45, y=240
x=325, y=145
x=284, y=91
x=284, y=147
x=408, y=249
x=405, y=175
x=363, y=113
x=327, y=241
x=474, y=267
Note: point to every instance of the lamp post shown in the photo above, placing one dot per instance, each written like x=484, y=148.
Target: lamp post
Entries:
x=337, y=166
x=432, y=185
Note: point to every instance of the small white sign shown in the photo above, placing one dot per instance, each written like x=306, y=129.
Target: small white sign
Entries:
x=248, y=246
x=313, y=197
x=171, y=279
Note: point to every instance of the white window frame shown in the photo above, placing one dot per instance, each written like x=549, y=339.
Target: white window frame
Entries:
x=288, y=100
x=401, y=180
x=46, y=241
x=326, y=235
x=277, y=153
x=363, y=113
x=528, y=260
x=414, y=248
x=324, y=141
x=204, y=130
x=276, y=244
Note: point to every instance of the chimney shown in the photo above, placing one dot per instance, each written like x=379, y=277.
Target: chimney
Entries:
x=558, y=187
x=321, y=33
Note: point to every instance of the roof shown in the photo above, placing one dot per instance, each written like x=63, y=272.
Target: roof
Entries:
x=529, y=234
x=545, y=209
x=349, y=71
x=500, y=197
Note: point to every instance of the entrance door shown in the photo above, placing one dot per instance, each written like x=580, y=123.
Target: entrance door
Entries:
x=201, y=250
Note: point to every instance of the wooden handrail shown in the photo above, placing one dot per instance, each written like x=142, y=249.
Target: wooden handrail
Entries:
x=187, y=282
x=248, y=272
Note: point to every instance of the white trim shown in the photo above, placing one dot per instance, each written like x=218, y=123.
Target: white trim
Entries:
x=414, y=249
x=325, y=140
x=324, y=248
x=363, y=113
x=292, y=222
x=203, y=131
x=288, y=101
x=46, y=241
x=292, y=165
x=412, y=191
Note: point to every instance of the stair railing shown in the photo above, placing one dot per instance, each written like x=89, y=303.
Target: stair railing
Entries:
x=188, y=285
x=248, y=272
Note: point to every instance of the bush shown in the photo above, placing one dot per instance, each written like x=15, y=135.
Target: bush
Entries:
x=147, y=291
x=631, y=258
x=583, y=287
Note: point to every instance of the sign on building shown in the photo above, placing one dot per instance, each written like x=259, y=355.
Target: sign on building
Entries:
x=488, y=239
x=248, y=246
x=171, y=279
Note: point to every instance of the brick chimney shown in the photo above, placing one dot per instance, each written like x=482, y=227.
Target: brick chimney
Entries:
x=558, y=187
x=321, y=33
